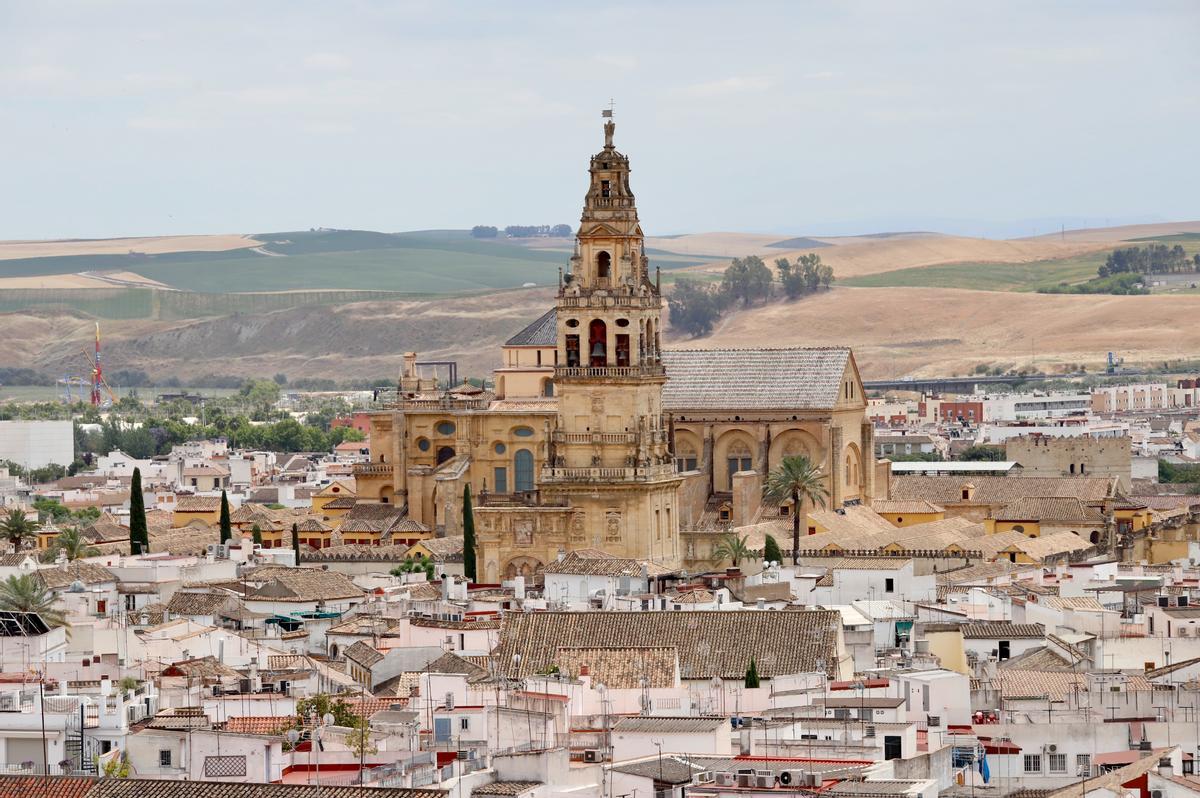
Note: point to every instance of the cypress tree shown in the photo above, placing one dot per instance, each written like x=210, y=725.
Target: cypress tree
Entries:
x=468, y=535
x=226, y=526
x=296, y=542
x=256, y=533
x=139, y=537
x=771, y=551
x=752, y=674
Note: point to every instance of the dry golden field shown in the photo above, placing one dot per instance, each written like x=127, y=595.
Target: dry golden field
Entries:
x=901, y=331
x=155, y=245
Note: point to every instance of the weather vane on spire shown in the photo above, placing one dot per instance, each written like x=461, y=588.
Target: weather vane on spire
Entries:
x=609, y=126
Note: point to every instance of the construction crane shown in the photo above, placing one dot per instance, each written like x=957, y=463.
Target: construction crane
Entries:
x=102, y=395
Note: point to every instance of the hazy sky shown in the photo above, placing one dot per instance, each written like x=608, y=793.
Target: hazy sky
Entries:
x=136, y=118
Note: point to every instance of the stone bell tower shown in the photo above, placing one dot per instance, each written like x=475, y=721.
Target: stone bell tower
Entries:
x=610, y=455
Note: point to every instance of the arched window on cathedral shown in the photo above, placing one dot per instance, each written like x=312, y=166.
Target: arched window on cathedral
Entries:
x=685, y=459
x=523, y=468
x=738, y=459
x=444, y=453
x=603, y=266
x=547, y=387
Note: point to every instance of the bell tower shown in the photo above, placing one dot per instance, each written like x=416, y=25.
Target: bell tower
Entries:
x=610, y=455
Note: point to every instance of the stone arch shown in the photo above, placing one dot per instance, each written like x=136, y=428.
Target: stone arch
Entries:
x=603, y=266
x=1094, y=537
x=500, y=386
x=444, y=453
x=386, y=494
x=733, y=452
x=597, y=351
x=527, y=567
x=547, y=387
x=792, y=442
x=852, y=468
x=688, y=448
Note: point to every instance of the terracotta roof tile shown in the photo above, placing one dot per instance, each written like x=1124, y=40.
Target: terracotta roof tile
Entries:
x=736, y=379
x=709, y=643
x=542, y=331
x=945, y=490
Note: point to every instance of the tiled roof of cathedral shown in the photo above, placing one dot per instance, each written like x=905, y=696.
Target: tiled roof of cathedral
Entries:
x=542, y=332
x=744, y=379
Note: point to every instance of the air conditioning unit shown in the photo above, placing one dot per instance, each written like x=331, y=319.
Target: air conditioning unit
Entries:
x=745, y=780
x=724, y=778
x=1156, y=794
x=593, y=755
x=766, y=781
x=704, y=777
x=812, y=780
x=1052, y=748
x=792, y=778
x=934, y=721
x=869, y=731
x=449, y=702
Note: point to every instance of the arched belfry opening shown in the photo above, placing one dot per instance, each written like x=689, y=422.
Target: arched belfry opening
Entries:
x=603, y=266
x=597, y=344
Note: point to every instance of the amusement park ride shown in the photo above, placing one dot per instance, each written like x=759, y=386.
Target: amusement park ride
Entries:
x=73, y=388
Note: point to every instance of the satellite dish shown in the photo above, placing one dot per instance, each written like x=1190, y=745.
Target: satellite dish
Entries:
x=327, y=719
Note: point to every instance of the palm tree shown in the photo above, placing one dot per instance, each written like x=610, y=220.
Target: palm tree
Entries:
x=799, y=479
x=17, y=528
x=72, y=544
x=25, y=593
x=733, y=547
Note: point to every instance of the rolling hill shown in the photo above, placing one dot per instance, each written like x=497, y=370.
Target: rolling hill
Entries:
x=347, y=304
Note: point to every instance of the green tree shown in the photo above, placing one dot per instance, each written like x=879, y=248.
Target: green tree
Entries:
x=733, y=548
x=322, y=704
x=256, y=534
x=71, y=544
x=413, y=565
x=747, y=279
x=752, y=674
x=16, y=528
x=799, y=479
x=26, y=593
x=694, y=307
x=296, y=543
x=139, y=534
x=226, y=527
x=468, y=535
x=771, y=552
x=982, y=451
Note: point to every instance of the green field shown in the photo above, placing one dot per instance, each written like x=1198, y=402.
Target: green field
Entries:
x=986, y=276
x=428, y=262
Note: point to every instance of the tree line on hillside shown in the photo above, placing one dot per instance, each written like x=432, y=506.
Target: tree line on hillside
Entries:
x=1153, y=259
x=695, y=306
x=523, y=231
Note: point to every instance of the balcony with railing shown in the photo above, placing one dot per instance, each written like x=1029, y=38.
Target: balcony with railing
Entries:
x=525, y=498
x=593, y=438
x=610, y=372
x=606, y=474
x=373, y=469
x=608, y=297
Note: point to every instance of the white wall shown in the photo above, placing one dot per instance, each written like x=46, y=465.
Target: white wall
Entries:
x=34, y=444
